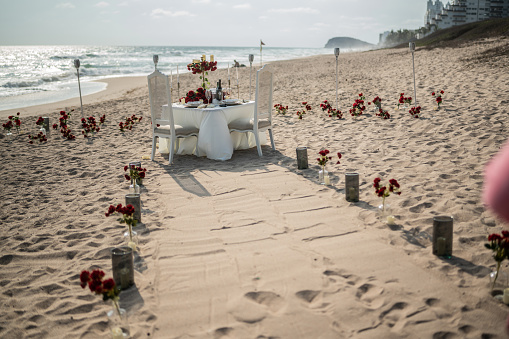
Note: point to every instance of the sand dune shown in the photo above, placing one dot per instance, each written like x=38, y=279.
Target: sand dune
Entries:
x=253, y=247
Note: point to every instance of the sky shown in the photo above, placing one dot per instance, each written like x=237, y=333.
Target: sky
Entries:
x=279, y=23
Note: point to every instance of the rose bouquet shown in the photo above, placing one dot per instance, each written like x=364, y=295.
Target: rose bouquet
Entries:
x=196, y=96
x=136, y=174
x=377, y=102
x=306, y=107
x=332, y=112
x=202, y=67
x=14, y=121
x=438, y=98
x=323, y=175
x=129, y=123
x=499, y=244
x=415, y=112
x=127, y=218
x=280, y=109
x=41, y=137
x=358, y=106
x=405, y=101
x=89, y=125
x=383, y=114
x=40, y=123
x=64, y=128
x=109, y=290
x=385, y=191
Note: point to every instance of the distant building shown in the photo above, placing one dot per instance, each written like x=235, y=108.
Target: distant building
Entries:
x=459, y=12
x=382, y=37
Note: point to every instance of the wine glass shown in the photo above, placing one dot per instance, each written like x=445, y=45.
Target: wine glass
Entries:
x=227, y=92
x=208, y=95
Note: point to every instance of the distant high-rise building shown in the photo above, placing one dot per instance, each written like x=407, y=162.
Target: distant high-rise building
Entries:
x=459, y=12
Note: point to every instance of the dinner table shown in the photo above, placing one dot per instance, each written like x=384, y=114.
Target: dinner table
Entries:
x=214, y=139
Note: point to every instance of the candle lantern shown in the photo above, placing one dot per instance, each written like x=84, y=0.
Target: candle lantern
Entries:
x=135, y=200
x=442, y=236
x=123, y=266
x=302, y=157
x=352, y=187
x=77, y=65
x=45, y=124
x=156, y=60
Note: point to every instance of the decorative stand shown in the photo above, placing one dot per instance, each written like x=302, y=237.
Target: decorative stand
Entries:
x=442, y=236
x=77, y=65
x=411, y=45
x=123, y=266
x=336, y=53
x=352, y=187
x=302, y=157
x=135, y=200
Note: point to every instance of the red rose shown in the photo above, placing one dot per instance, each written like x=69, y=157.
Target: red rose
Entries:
x=432, y=93
x=127, y=177
x=108, y=284
x=84, y=278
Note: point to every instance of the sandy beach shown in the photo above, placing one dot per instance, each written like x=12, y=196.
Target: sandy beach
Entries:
x=253, y=247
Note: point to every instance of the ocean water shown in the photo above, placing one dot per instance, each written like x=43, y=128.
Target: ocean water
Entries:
x=34, y=75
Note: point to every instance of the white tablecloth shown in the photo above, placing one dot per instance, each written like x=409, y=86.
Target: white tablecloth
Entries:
x=215, y=140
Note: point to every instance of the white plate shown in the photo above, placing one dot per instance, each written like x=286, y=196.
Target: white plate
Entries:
x=193, y=104
x=231, y=101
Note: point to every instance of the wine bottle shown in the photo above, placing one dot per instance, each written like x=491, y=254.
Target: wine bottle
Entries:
x=219, y=91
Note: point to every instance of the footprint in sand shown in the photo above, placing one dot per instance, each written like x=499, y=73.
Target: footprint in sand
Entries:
x=256, y=306
x=370, y=295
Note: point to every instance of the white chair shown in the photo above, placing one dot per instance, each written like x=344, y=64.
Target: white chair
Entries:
x=262, y=120
x=159, y=92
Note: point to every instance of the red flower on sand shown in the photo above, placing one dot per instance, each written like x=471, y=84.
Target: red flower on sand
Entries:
x=306, y=108
x=438, y=98
x=98, y=285
x=384, y=191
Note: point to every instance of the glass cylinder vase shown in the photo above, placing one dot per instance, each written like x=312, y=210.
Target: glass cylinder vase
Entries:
x=323, y=176
x=134, y=188
x=131, y=239
x=118, y=322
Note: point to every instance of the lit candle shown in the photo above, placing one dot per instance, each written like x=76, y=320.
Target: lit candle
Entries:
x=116, y=333
x=390, y=220
x=506, y=296
x=203, y=57
x=326, y=180
x=211, y=58
x=132, y=245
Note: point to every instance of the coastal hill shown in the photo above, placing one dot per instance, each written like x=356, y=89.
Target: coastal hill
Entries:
x=348, y=43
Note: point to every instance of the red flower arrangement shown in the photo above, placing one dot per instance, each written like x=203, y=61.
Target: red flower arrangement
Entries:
x=89, y=125
x=197, y=96
x=129, y=123
x=438, y=98
x=98, y=285
x=332, y=112
x=383, y=114
x=384, y=191
x=14, y=121
x=415, y=112
x=377, y=102
x=41, y=137
x=126, y=218
x=64, y=128
x=135, y=173
x=499, y=244
x=306, y=107
x=40, y=122
x=281, y=109
x=404, y=100
x=358, y=106
x=202, y=67
x=324, y=157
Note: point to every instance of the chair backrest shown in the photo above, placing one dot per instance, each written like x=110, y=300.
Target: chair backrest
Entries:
x=159, y=92
x=263, y=96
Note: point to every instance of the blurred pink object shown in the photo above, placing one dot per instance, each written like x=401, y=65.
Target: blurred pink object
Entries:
x=496, y=183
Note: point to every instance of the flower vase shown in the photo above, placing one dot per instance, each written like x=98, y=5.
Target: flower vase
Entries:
x=323, y=176
x=131, y=238
x=8, y=132
x=43, y=130
x=384, y=210
x=134, y=188
x=117, y=322
x=498, y=280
